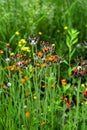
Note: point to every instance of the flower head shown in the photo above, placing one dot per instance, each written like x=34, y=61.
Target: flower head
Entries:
x=65, y=27
x=27, y=114
x=1, y=52
x=40, y=33
x=17, y=33
x=64, y=82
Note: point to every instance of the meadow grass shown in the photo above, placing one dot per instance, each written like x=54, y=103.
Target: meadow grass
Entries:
x=43, y=67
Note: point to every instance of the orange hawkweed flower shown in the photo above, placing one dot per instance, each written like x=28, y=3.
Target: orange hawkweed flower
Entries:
x=27, y=114
x=40, y=54
x=20, y=72
x=85, y=92
x=12, y=67
x=65, y=99
x=8, y=44
x=67, y=104
x=81, y=72
x=64, y=82
x=43, y=64
x=50, y=58
x=37, y=64
x=19, y=55
x=24, y=79
x=1, y=52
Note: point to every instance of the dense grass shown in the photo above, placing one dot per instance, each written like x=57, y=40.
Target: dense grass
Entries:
x=43, y=67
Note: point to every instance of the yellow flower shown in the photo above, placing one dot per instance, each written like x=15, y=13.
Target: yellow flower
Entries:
x=27, y=49
x=40, y=33
x=17, y=33
x=23, y=41
x=53, y=45
x=12, y=54
x=82, y=85
x=65, y=28
x=35, y=97
x=86, y=102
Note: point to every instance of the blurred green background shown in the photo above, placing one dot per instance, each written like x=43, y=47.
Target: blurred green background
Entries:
x=48, y=17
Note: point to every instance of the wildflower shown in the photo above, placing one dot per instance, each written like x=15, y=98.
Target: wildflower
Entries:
x=81, y=73
x=7, y=59
x=53, y=45
x=25, y=106
x=35, y=97
x=37, y=64
x=67, y=104
x=79, y=68
x=12, y=67
x=64, y=82
x=43, y=123
x=19, y=56
x=20, y=72
x=17, y=33
x=85, y=93
x=19, y=44
x=1, y=52
x=19, y=64
x=32, y=41
x=40, y=33
x=43, y=64
x=78, y=45
x=55, y=60
x=82, y=85
x=50, y=58
x=40, y=54
x=12, y=54
x=27, y=114
x=23, y=41
x=65, y=99
x=9, y=84
x=65, y=27
x=46, y=49
x=27, y=49
x=24, y=79
x=8, y=44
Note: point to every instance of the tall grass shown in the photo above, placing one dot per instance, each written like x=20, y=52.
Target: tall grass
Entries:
x=46, y=16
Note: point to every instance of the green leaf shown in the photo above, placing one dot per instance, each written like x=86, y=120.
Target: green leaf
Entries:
x=66, y=62
x=72, y=52
x=10, y=40
x=75, y=41
x=68, y=41
x=65, y=88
